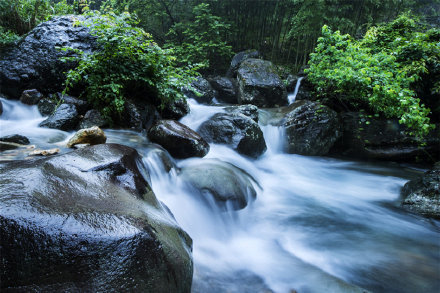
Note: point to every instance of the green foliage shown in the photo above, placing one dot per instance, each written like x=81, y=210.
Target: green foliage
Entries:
x=7, y=37
x=128, y=64
x=378, y=72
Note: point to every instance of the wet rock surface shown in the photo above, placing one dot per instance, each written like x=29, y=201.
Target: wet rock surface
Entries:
x=179, y=140
x=201, y=91
x=175, y=110
x=65, y=117
x=31, y=97
x=250, y=111
x=238, y=59
x=46, y=106
x=93, y=135
x=226, y=88
x=92, y=118
x=15, y=138
x=88, y=221
x=259, y=84
x=237, y=130
x=422, y=195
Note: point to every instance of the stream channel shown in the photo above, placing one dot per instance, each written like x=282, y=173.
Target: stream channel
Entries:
x=317, y=224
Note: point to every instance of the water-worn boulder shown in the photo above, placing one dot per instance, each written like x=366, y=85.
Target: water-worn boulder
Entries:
x=236, y=130
x=15, y=138
x=226, y=88
x=238, y=59
x=201, y=90
x=46, y=106
x=87, y=221
x=92, y=118
x=35, y=62
x=311, y=128
x=422, y=195
x=179, y=140
x=65, y=118
x=384, y=139
x=250, y=111
x=219, y=182
x=175, y=110
x=259, y=84
x=93, y=135
x=31, y=97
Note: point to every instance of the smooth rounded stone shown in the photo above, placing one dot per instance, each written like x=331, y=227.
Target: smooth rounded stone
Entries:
x=422, y=195
x=311, y=129
x=219, y=182
x=65, y=118
x=93, y=135
x=259, y=84
x=175, y=110
x=384, y=139
x=31, y=97
x=236, y=130
x=92, y=118
x=179, y=140
x=46, y=106
x=88, y=221
x=34, y=63
x=238, y=59
x=201, y=91
x=15, y=138
x=250, y=111
x=227, y=89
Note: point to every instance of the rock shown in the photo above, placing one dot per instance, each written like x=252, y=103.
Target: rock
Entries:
x=179, y=140
x=226, y=88
x=35, y=62
x=260, y=85
x=92, y=118
x=16, y=138
x=290, y=82
x=240, y=132
x=228, y=186
x=158, y=154
x=88, y=221
x=422, y=195
x=175, y=110
x=93, y=135
x=384, y=139
x=49, y=152
x=250, y=111
x=238, y=59
x=5, y=146
x=81, y=105
x=46, y=106
x=31, y=97
x=201, y=91
x=311, y=128
x=65, y=118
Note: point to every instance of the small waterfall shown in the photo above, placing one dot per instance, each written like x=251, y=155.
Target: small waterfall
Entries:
x=292, y=97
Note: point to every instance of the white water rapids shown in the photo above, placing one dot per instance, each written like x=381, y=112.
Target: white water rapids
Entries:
x=317, y=225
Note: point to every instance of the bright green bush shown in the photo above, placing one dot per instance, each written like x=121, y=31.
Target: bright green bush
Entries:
x=127, y=64
x=378, y=73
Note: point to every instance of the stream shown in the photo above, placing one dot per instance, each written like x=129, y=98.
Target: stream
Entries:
x=317, y=224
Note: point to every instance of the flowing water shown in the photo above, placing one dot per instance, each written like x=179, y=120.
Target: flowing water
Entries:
x=317, y=225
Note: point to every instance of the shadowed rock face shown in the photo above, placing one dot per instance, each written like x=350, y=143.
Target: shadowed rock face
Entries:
x=65, y=118
x=88, y=221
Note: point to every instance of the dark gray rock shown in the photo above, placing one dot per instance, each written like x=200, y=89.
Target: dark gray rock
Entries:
x=290, y=82
x=35, y=62
x=88, y=221
x=81, y=106
x=226, y=88
x=31, y=97
x=311, y=128
x=201, y=90
x=46, y=106
x=422, y=195
x=175, y=110
x=179, y=140
x=236, y=130
x=218, y=182
x=92, y=118
x=384, y=139
x=15, y=138
x=5, y=146
x=238, y=59
x=250, y=111
x=65, y=118
x=260, y=85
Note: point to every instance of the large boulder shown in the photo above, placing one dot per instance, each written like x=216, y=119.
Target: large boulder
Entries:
x=31, y=97
x=238, y=59
x=259, y=84
x=384, y=139
x=65, y=117
x=422, y=195
x=218, y=182
x=236, y=130
x=87, y=221
x=226, y=88
x=92, y=118
x=311, y=128
x=179, y=140
x=46, y=106
x=201, y=91
x=35, y=62
x=175, y=110
x=250, y=111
